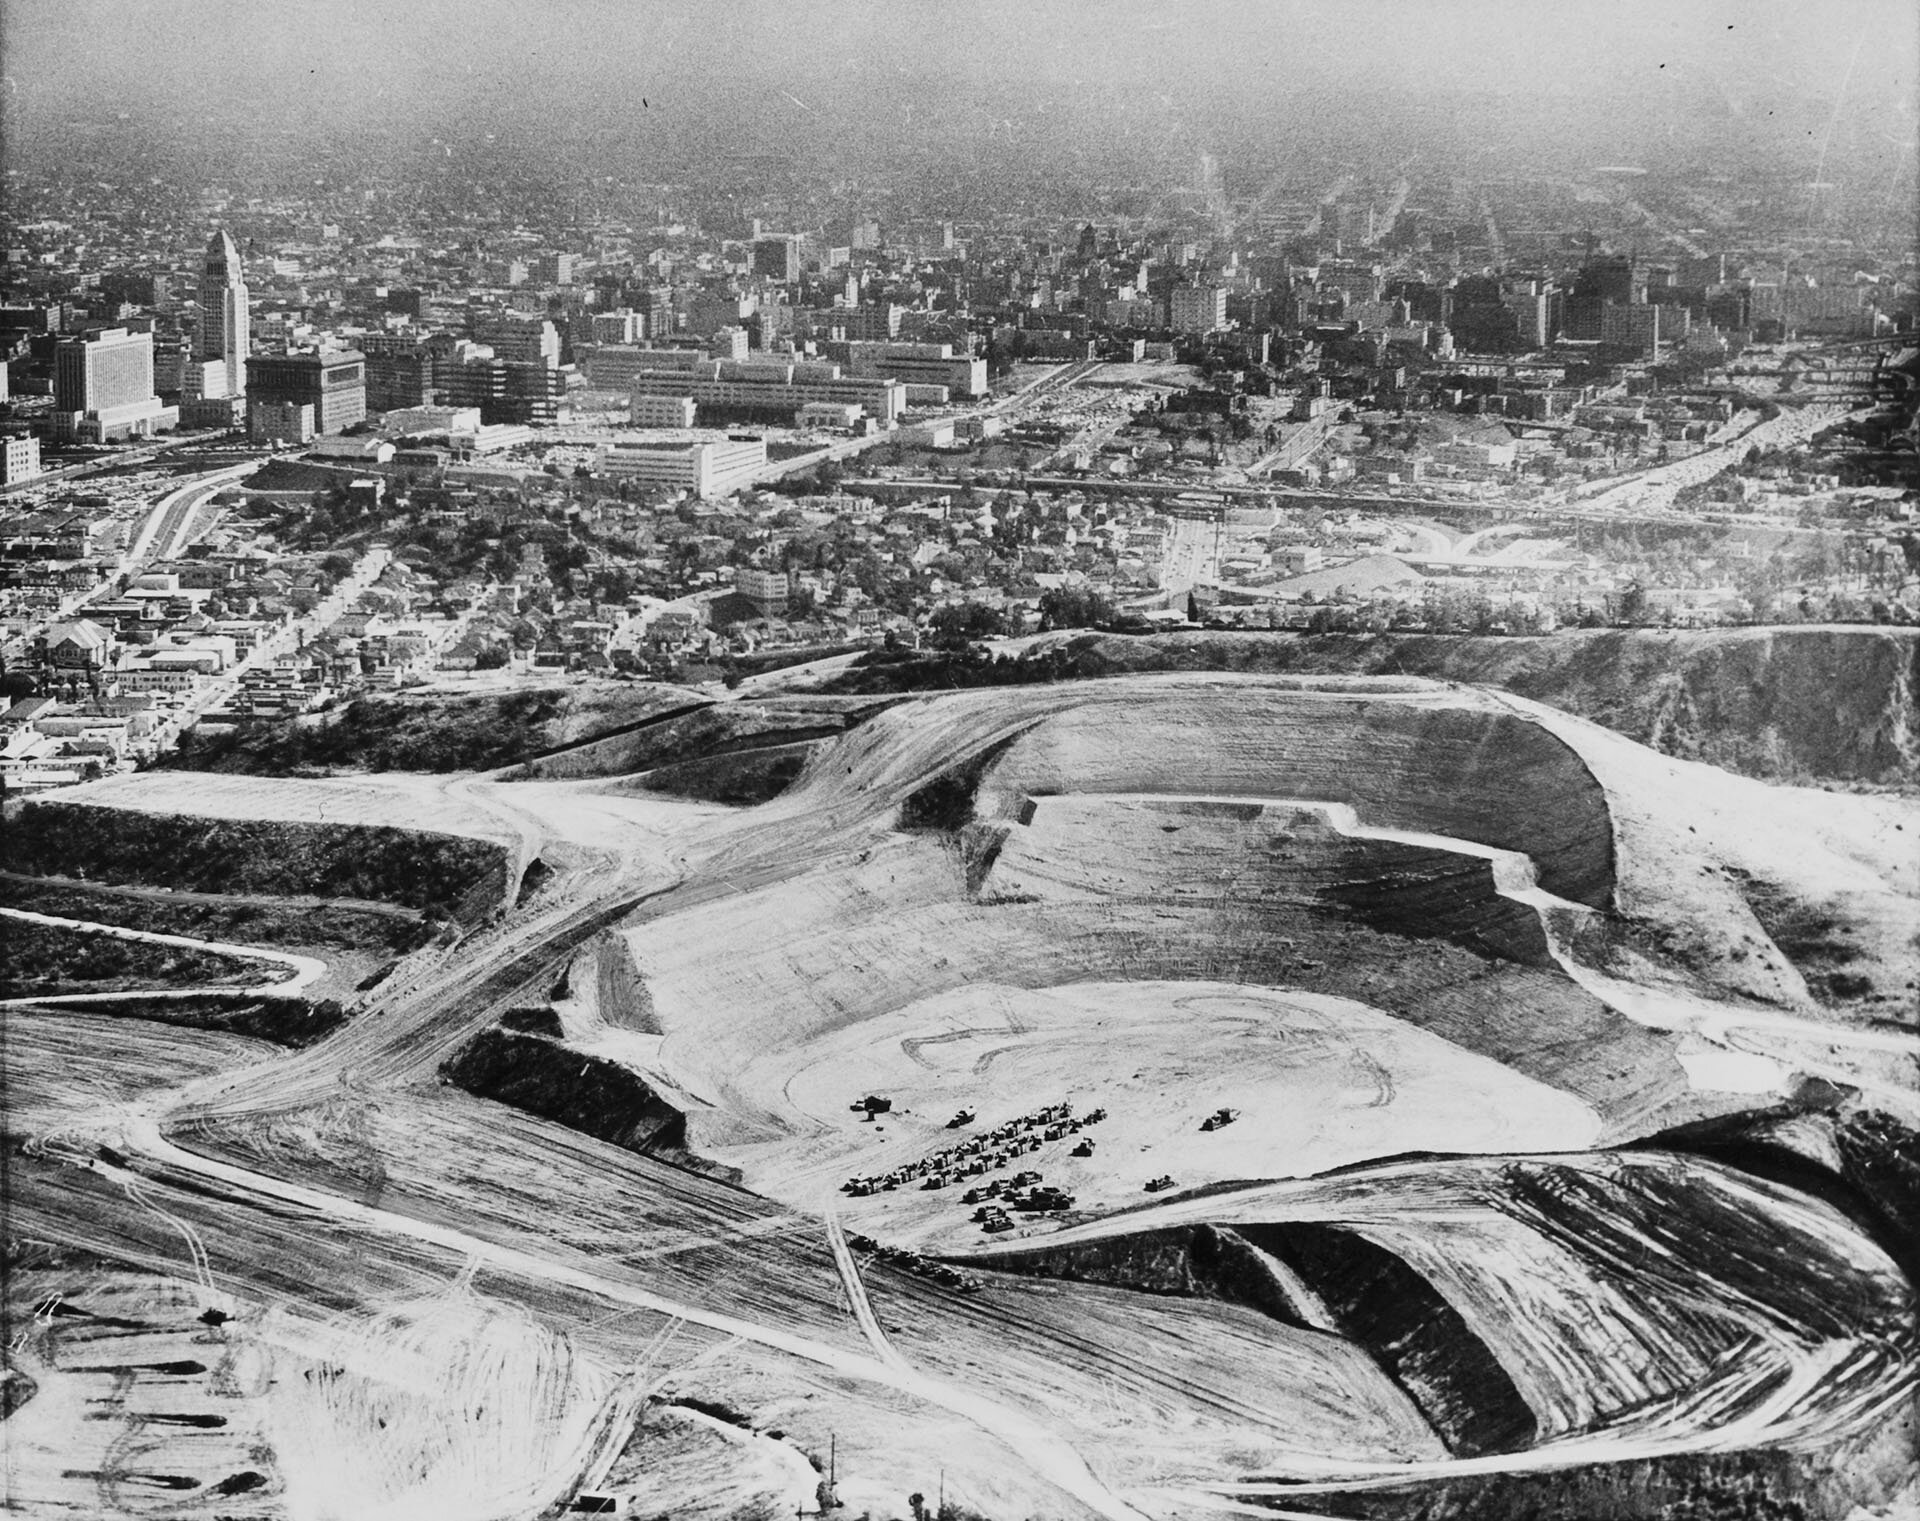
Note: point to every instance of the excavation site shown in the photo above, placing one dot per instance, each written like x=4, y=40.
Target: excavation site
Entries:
x=1183, y=1093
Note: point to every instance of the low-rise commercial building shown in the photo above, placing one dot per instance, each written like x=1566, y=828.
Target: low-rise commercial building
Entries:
x=918, y=364
x=706, y=467
x=661, y=411
x=770, y=391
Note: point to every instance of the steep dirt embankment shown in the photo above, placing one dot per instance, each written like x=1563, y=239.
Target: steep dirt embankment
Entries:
x=1864, y=1163
x=618, y=996
x=1416, y=1336
x=443, y=874
x=1222, y=854
x=1471, y=773
x=1197, y=1261
x=255, y=920
x=741, y=778
x=1329, y=1279
x=1798, y=703
x=587, y=1093
x=677, y=741
x=47, y=959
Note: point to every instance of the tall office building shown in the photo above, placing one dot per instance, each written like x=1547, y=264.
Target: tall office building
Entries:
x=777, y=257
x=1631, y=327
x=333, y=384
x=518, y=339
x=103, y=387
x=1616, y=278
x=224, y=335
x=398, y=377
x=1197, y=308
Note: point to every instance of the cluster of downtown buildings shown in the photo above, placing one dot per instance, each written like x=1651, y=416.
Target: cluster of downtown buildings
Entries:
x=784, y=330
x=678, y=364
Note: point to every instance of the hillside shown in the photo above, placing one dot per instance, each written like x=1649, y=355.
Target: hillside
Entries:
x=1787, y=704
x=431, y=730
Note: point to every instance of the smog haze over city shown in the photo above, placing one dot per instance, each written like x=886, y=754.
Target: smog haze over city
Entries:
x=964, y=761
x=587, y=98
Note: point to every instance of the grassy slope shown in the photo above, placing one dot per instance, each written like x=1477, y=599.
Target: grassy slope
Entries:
x=47, y=959
x=440, y=873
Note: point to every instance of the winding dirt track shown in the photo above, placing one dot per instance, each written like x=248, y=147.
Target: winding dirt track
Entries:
x=300, y=970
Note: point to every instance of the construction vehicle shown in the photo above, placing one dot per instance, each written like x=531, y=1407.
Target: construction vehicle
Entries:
x=1160, y=1184
x=1218, y=1118
x=963, y=1117
x=1084, y=1149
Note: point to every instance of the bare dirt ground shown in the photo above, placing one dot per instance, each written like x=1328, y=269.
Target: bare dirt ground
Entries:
x=1439, y=950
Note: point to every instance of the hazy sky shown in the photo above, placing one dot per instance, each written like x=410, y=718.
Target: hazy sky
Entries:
x=1774, y=70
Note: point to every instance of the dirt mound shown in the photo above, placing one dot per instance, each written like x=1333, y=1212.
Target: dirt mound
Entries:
x=1247, y=856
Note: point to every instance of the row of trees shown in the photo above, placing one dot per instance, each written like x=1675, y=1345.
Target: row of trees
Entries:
x=961, y=623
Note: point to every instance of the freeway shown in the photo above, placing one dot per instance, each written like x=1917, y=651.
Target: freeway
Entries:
x=1655, y=490
x=166, y=529
x=1192, y=556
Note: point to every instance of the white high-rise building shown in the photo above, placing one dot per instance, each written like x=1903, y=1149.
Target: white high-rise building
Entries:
x=224, y=337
